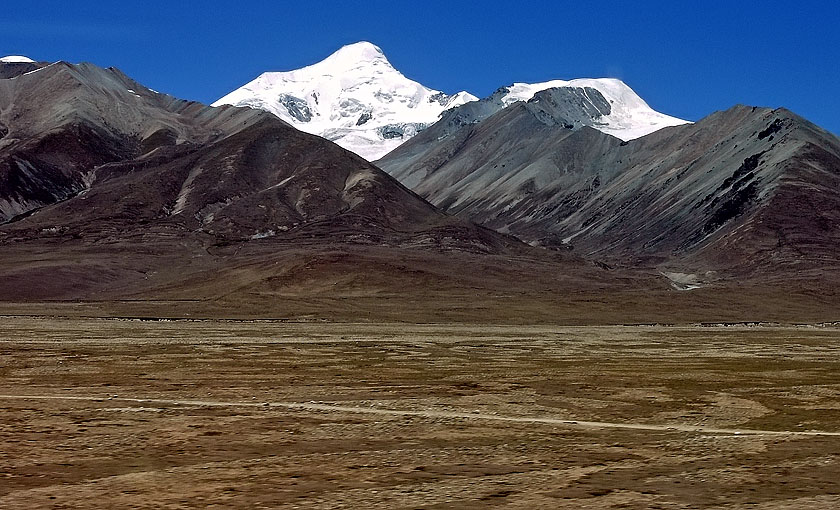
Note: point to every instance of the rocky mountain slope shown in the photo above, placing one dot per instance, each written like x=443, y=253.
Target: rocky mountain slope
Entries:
x=61, y=122
x=109, y=190
x=14, y=65
x=742, y=188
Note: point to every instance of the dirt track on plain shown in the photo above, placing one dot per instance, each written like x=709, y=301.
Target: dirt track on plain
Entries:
x=162, y=404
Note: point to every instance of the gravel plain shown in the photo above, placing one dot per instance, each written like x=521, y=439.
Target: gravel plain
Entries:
x=110, y=413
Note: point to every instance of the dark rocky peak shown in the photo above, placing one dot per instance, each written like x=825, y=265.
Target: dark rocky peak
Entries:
x=571, y=107
x=15, y=69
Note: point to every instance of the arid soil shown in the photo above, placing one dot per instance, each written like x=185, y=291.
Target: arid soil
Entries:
x=108, y=413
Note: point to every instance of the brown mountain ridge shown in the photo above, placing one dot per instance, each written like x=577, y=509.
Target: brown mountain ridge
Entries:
x=117, y=199
x=748, y=191
x=111, y=191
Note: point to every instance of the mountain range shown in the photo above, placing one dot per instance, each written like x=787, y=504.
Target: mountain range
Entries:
x=565, y=200
x=748, y=188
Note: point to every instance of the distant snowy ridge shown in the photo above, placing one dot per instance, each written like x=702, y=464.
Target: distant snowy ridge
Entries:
x=630, y=116
x=357, y=99
x=354, y=97
x=16, y=59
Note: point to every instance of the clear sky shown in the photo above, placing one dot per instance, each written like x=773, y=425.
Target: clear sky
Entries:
x=684, y=58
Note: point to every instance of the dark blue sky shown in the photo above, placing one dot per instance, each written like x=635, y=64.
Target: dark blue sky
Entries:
x=684, y=58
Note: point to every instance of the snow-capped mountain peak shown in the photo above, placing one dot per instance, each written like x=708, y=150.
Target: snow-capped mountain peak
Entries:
x=630, y=116
x=357, y=99
x=354, y=97
x=355, y=54
x=16, y=59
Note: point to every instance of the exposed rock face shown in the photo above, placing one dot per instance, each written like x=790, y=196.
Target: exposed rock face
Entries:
x=10, y=69
x=569, y=107
x=64, y=121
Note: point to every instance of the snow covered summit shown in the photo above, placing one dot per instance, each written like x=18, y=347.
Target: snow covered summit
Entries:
x=357, y=99
x=354, y=97
x=630, y=116
x=16, y=59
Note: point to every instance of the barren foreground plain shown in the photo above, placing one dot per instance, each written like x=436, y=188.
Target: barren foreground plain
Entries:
x=111, y=413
